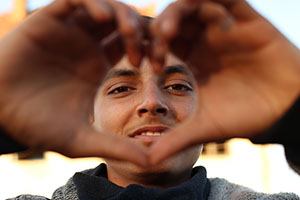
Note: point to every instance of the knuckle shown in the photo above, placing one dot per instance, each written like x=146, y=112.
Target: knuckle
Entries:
x=127, y=30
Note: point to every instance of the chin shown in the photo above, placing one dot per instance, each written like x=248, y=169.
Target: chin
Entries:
x=160, y=176
x=167, y=166
x=177, y=166
x=128, y=168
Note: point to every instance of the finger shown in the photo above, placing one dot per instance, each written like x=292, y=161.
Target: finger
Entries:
x=225, y=34
x=97, y=30
x=157, y=54
x=227, y=27
x=163, y=29
x=129, y=26
x=127, y=21
x=240, y=9
x=221, y=28
x=168, y=26
x=212, y=13
x=97, y=9
x=58, y=8
x=112, y=48
x=93, y=17
x=100, y=10
x=219, y=25
x=90, y=143
x=103, y=11
x=193, y=132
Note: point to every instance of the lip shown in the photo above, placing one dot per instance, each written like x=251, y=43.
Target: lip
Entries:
x=139, y=131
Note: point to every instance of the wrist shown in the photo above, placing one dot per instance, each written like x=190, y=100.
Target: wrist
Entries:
x=8, y=145
x=285, y=131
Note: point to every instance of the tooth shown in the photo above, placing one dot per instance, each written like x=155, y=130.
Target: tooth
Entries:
x=149, y=133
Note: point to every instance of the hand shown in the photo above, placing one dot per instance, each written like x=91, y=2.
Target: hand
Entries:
x=51, y=67
x=248, y=73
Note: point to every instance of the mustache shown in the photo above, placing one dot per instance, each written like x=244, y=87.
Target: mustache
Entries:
x=151, y=122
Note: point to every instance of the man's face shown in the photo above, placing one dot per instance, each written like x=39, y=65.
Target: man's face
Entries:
x=141, y=105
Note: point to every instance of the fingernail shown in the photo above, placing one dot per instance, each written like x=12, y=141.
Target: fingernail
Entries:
x=135, y=58
x=157, y=66
x=227, y=22
x=159, y=49
x=165, y=28
x=104, y=11
x=204, y=80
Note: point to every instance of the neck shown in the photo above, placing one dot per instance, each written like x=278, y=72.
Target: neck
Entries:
x=149, y=178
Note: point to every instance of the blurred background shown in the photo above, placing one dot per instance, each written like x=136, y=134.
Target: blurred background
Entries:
x=261, y=167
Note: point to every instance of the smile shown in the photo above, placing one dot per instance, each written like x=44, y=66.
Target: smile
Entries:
x=149, y=133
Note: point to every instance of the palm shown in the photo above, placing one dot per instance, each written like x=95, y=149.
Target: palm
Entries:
x=241, y=81
x=48, y=88
x=248, y=76
x=62, y=78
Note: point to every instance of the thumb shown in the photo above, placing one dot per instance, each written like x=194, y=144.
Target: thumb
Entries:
x=192, y=132
x=89, y=143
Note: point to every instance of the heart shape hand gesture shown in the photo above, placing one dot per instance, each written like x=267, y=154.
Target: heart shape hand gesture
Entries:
x=52, y=64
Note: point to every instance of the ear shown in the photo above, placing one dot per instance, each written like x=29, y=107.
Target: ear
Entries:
x=91, y=118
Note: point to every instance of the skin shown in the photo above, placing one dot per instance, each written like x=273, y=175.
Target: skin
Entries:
x=48, y=82
x=51, y=66
x=248, y=73
x=143, y=99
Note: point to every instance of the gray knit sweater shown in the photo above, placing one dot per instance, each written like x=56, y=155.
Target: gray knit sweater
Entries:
x=219, y=189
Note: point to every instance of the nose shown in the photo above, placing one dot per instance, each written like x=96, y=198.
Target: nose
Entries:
x=152, y=102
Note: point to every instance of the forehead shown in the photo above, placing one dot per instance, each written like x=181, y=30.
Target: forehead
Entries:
x=124, y=68
x=170, y=60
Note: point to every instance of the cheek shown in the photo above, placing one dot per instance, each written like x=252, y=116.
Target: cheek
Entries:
x=184, y=107
x=108, y=116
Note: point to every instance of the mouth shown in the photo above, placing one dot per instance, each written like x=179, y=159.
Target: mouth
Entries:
x=149, y=134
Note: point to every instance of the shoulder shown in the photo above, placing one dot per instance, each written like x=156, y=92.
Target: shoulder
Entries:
x=222, y=189
x=29, y=197
x=69, y=190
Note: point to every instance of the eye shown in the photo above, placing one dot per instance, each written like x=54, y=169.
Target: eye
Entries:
x=178, y=89
x=121, y=89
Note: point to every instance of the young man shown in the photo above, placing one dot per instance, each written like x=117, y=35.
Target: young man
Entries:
x=50, y=85
x=142, y=105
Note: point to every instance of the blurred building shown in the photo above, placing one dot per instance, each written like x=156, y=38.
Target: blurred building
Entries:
x=262, y=168
x=20, y=10
x=10, y=19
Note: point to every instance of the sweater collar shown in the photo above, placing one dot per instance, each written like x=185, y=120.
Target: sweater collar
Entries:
x=93, y=184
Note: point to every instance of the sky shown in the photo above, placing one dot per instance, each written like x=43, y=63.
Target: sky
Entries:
x=284, y=14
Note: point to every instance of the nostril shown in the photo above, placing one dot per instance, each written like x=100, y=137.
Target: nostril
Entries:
x=161, y=110
x=157, y=111
x=143, y=111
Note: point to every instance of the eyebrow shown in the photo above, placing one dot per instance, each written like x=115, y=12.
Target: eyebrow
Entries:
x=173, y=69
x=177, y=69
x=120, y=72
